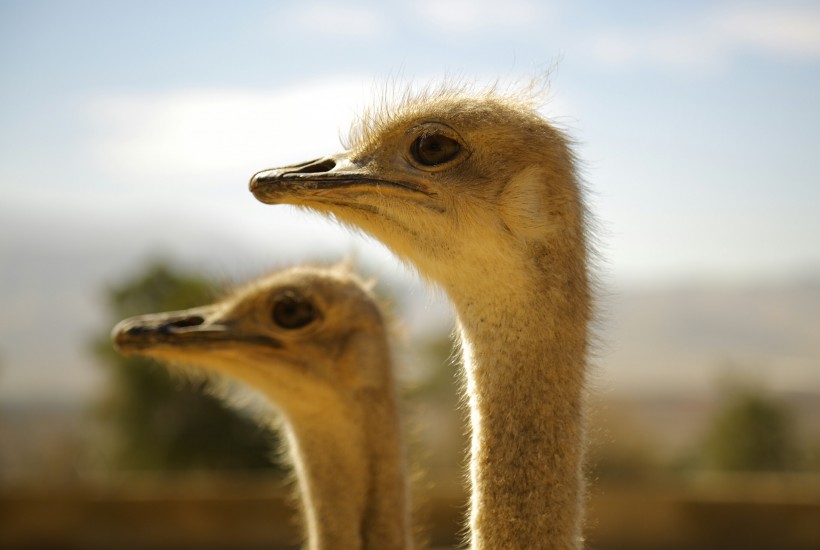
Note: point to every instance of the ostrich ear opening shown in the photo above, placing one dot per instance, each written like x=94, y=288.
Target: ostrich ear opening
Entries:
x=523, y=203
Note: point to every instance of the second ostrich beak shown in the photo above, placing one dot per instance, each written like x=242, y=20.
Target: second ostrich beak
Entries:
x=174, y=328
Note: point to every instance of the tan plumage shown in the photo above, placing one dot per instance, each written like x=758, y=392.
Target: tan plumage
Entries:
x=315, y=343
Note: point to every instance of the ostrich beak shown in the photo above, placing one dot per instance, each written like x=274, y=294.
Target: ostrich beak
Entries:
x=196, y=328
x=175, y=328
x=335, y=177
x=272, y=185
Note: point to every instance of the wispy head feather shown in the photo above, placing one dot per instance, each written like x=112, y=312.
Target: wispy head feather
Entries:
x=398, y=102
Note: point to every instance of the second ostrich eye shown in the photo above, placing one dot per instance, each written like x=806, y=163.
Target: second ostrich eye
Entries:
x=292, y=312
x=434, y=149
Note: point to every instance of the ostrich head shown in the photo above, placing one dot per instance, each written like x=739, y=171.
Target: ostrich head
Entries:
x=458, y=184
x=307, y=337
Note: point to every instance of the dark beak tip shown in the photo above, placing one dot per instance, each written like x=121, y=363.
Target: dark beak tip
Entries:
x=263, y=181
x=256, y=181
x=119, y=329
x=124, y=333
x=118, y=344
x=119, y=340
x=260, y=185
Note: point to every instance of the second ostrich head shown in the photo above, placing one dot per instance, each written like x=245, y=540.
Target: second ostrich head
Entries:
x=315, y=343
x=302, y=332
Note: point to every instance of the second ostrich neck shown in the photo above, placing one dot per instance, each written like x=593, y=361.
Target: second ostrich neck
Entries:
x=351, y=475
x=524, y=354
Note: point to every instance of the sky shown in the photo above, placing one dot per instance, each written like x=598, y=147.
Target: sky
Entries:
x=130, y=130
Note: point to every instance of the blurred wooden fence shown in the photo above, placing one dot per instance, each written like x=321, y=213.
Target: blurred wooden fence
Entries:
x=747, y=513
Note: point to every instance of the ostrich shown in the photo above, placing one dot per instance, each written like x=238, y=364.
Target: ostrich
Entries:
x=481, y=195
x=315, y=343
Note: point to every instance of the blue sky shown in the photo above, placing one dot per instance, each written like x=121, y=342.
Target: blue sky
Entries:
x=131, y=129
x=698, y=122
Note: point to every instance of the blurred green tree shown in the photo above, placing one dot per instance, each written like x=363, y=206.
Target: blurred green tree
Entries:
x=160, y=421
x=751, y=431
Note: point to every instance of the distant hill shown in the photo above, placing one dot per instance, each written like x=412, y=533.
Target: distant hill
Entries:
x=684, y=340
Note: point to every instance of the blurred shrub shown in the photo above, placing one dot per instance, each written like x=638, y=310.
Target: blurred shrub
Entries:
x=751, y=431
x=157, y=421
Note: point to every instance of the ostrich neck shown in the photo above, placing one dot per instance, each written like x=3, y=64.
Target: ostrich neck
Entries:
x=386, y=521
x=352, y=484
x=524, y=355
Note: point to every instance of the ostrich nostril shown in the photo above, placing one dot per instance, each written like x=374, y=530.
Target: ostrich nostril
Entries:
x=322, y=166
x=137, y=330
x=192, y=321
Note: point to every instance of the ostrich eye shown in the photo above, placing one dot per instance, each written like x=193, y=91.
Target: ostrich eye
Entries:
x=434, y=149
x=293, y=311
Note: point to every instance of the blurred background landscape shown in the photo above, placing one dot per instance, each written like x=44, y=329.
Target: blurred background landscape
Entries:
x=128, y=133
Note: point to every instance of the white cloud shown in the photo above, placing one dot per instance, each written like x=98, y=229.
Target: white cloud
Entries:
x=662, y=48
x=200, y=136
x=788, y=31
x=205, y=138
x=338, y=20
x=714, y=38
x=474, y=15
